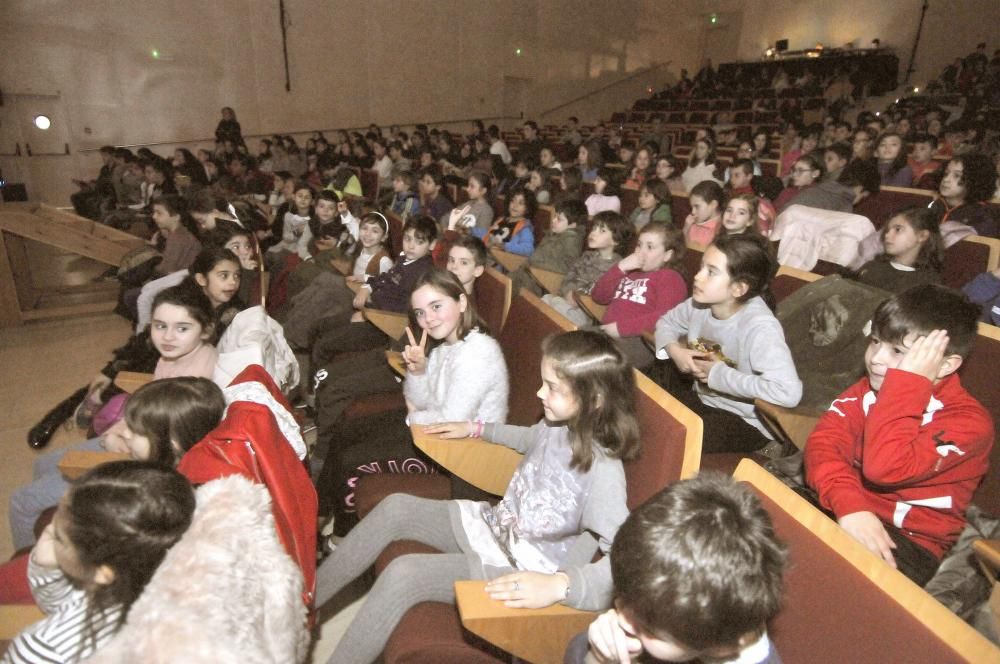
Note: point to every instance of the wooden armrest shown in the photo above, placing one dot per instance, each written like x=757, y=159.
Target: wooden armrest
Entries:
x=549, y=281
x=130, y=381
x=14, y=618
x=482, y=464
x=391, y=323
x=589, y=307
x=988, y=554
x=509, y=261
x=395, y=360
x=787, y=424
x=534, y=635
x=76, y=462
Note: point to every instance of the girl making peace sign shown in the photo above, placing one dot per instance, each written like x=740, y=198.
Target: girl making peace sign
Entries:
x=456, y=373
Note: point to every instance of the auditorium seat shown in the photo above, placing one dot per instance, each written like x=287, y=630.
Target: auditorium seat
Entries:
x=843, y=604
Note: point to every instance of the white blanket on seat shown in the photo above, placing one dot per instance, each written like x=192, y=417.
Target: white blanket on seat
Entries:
x=808, y=235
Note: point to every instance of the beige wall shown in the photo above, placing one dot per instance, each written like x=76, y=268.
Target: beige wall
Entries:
x=951, y=28
x=89, y=64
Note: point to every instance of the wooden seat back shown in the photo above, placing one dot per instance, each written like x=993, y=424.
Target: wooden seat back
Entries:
x=630, y=201
x=493, y=296
x=680, y=208
x=890, y=200
x=369, y=184
x=528, y=323
x=844, y=604
x=979, y=376
x=395, y=233
x=542, y=222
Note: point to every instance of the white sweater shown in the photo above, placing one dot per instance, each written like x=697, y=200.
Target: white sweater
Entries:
x=464, y=381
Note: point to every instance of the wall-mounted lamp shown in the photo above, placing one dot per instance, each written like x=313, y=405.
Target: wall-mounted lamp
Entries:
x=42, y=122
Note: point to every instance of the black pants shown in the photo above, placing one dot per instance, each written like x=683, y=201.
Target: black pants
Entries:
x=914, y=561
x=340, y=382
x=339, y=338
x=723, y=431
x=369, y=445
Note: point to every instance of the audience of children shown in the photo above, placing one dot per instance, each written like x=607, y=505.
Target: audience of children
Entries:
x=735, y=352
x=898, y=455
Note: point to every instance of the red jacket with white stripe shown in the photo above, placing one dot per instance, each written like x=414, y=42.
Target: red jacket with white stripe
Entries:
x=914, y=455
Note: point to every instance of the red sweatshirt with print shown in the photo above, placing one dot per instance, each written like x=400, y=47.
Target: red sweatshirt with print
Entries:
x=913, y=454
x=636, y=300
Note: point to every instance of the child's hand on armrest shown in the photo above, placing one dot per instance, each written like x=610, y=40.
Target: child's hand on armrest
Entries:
x=868, y=529
x=529, y=590
x=361, y=299
x=609, y=642
x=450, y=430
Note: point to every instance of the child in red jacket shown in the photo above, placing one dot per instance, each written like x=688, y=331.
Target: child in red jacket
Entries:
x=642, y=287
x=900, y=453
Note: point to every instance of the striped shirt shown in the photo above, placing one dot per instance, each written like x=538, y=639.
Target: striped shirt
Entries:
x=58, y=637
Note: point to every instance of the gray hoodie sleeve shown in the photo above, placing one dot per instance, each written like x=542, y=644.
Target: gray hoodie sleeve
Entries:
x=672, y=326
x=772, y=376
x=590, y=586
x=519, y=439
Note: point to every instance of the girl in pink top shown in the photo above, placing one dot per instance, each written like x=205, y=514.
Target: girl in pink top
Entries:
x=182, y=329
x=702, y=225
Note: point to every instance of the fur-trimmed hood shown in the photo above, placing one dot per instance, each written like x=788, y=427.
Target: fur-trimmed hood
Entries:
x=227, y=592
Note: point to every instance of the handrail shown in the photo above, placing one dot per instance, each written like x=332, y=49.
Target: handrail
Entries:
x=605, y=87
x=306, y=131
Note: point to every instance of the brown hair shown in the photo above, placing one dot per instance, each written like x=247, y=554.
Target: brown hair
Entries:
x=673, y=240
x=448, y=284
x=931, y=256
x=700, y=561
x=603, y=382
x=173, y=411
x=124, y=515
x=754, y=204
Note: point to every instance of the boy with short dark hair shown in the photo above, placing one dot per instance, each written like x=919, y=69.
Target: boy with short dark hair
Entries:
x=698, y=574
x=898, y=456
x=922, y=161
x=558, y=249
